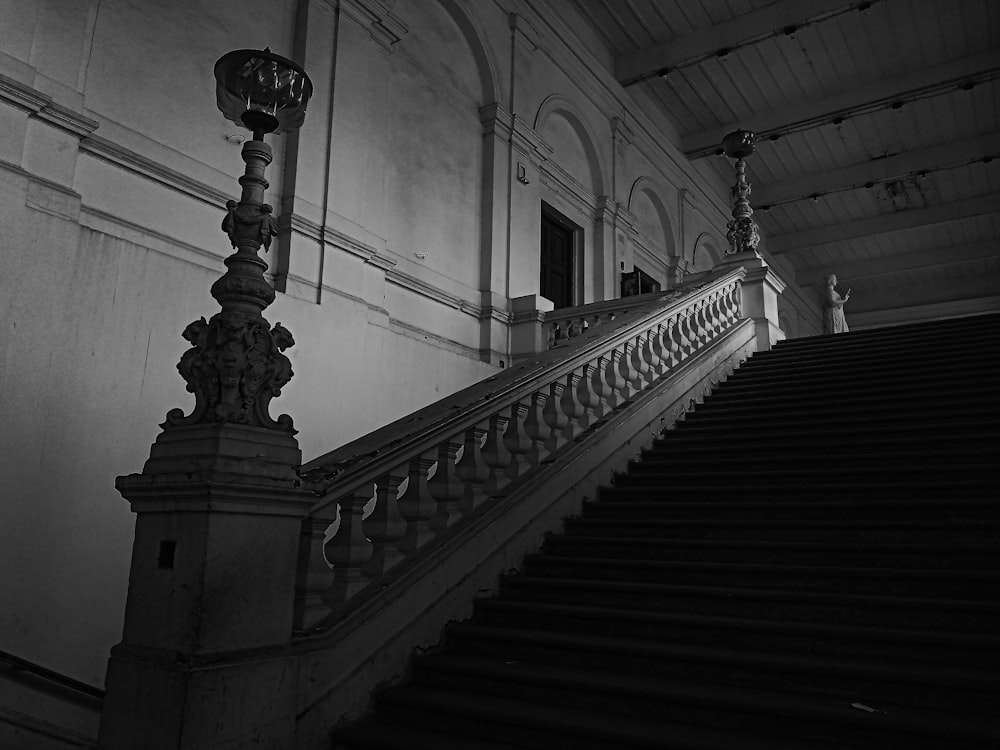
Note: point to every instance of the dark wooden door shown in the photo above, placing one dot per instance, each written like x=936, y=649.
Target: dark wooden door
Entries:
x=557, y=262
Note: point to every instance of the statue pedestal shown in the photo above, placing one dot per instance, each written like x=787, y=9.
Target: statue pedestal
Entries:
x=760, y=289
x=219, y=511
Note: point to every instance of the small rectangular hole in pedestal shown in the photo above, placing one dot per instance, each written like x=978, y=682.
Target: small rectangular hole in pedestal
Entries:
x=166, y=558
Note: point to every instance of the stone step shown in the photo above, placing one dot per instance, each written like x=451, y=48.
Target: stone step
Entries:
x=887, y=646
x=940, y=688
x=758, y=712
x=943, y=613
x=844, y=578
x=528, y=724
x=933, y=531
x=632, y=504
x=960, y=556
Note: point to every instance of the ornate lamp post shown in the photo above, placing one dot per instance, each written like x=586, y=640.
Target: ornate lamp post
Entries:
x=236, y=366
x=742, y=234
x=219, y=504
x=761, y=287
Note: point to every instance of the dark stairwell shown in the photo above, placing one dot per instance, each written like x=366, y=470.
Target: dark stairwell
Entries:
x=810, y=560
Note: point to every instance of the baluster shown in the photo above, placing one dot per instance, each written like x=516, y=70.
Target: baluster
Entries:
x=713, y=316
x=417, y=506
x=495, y=455
x=517, y=441
x=684, y=328
x=555, y=418
x=614, y=381
x=314, y=572
x=445, y=486
x=649, y=356
x=472, y=470
x=385, y=527
x=659, y=351
x=698, y=323
x=549, y=330
x=571, y=407
x=638, y=364
x=349, y=549
x=537, y=430
x=627, y=371
x=590, y=392
x=671, y=339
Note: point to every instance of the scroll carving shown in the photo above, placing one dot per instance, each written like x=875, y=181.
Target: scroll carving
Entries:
x=234, y=368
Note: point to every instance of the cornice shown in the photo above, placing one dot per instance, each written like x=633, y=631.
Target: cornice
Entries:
x=44, y=108
x=424, y=289
x=135, y=163
x=314, y=231
x=384, y=27
x=23, y=97
x=527, y=140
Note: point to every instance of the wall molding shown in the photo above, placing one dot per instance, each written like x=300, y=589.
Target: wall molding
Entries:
x=375, y=17
x=43, y=107
x=135, y=163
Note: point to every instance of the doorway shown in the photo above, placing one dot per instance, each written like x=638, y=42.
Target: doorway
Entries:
x=557, y=258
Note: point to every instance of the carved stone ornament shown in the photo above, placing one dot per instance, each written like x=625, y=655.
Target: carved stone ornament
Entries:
x=234, y=368
x=247, y=222
x=742, y=235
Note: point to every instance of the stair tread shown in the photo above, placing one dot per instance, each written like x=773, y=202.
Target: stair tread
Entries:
x=575, y=722
x=925, y=673
x=927, y=637
x=925, y=547
x=394, y=737
x=985, y=576
x=721, y=591
x=725, y=697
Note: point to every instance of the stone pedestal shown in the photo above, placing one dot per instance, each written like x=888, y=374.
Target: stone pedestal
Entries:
x=527, y=331
x=203, y=658
x=761, y=287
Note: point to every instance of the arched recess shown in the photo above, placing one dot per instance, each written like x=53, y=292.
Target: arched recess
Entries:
x=646, y=203
x=482, y=52
x=706, y=253
x=557, y=113
x=418, y=146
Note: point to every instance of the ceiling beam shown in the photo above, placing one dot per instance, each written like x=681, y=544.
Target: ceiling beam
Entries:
x=878, y=170
x=888, y=265
x=878, y=94
x=884, y=224
x=745, y=29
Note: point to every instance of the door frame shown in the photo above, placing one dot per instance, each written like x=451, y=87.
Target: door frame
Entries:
x=554, y=215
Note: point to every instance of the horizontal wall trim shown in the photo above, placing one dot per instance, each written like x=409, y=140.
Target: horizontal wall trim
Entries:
x=42, y=106
x=130, y=161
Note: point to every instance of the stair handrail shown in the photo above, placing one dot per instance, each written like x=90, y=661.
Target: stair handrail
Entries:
x=386, y=495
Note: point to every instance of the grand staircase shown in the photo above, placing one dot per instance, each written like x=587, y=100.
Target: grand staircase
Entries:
x=811, y=559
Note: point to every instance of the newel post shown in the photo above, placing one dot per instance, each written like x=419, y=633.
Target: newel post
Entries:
x=219, y=504
x=761, y=285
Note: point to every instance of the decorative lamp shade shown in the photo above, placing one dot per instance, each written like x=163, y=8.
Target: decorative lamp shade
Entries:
x=738, y=144
x=262, y=91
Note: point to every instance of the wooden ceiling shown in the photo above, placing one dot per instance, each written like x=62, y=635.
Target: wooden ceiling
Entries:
x=878, y=126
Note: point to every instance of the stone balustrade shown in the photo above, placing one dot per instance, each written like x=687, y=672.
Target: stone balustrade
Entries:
x=401, y=491
x=569, y=322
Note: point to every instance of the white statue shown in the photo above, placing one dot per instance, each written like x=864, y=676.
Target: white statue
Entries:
x=833, y=307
